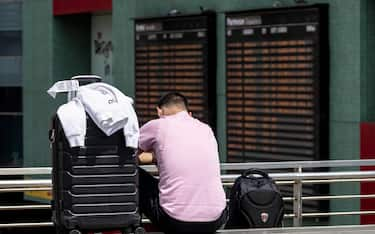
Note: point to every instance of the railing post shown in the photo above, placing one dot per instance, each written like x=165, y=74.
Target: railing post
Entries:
x=297, y=201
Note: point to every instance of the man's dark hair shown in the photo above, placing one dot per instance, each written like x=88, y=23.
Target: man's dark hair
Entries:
x=173, y=98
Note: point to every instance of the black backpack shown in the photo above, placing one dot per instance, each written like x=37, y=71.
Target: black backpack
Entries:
x=255, y=202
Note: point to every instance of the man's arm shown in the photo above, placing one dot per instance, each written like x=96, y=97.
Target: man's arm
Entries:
x=147, y=141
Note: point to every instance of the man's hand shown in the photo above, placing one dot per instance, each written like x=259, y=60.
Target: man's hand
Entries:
x=146, y=158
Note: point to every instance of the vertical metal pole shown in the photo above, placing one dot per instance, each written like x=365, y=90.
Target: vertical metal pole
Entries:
x=297, y=201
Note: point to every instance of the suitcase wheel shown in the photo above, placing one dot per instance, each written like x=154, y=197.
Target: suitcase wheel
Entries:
x=75, y=231
x=139, y=230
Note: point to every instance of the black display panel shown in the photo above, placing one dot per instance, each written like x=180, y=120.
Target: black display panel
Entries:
x=176, y=53
x=277, y=84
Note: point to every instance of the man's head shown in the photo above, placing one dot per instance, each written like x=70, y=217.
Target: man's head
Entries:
x=172, y=103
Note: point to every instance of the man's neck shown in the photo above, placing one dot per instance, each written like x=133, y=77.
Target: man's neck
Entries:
x=173, y=111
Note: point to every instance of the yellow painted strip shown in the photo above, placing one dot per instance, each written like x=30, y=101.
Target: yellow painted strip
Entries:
x=39, y=194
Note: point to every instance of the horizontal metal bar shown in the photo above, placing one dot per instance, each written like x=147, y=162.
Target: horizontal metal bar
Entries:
x=337, y=181
x=26, y=225
x=26, y=171
x=289, y=215
x=284, y=199
x=146, y=220
x=324, y=175
x=311, y=175
x=25, y=207
x=316, y=198
x=368, y=196
x=290, y=182
x=369, y=212
x=288, y=198
x=223, y=166
x=49, y=224
x=286, y=182
x=286, y=165
x=25, y=183
x=305, y=177
x=297, y=164
x=14, y=190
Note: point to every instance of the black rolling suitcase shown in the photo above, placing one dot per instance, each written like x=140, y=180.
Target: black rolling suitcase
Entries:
x=95, y=188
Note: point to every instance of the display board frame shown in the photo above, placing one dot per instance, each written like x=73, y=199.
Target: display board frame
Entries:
x=171, y=27
x=265, y=18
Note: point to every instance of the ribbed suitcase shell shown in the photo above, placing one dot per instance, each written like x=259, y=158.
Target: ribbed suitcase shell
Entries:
x=94, y=187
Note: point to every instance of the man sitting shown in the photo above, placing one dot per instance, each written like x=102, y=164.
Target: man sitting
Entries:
x=189, y=196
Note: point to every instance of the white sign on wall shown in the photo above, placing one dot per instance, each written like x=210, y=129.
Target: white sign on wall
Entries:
x=101, y=47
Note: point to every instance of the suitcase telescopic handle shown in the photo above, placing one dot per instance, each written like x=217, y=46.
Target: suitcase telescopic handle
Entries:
x=87, y=79
x=251, y=172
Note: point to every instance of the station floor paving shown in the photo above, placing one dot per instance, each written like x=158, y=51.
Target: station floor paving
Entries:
x=357, y=229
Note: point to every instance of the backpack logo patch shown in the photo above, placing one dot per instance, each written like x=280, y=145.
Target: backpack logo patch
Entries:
x=264, y=217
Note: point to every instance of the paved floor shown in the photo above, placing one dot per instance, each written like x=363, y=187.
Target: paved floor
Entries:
x=362, y=229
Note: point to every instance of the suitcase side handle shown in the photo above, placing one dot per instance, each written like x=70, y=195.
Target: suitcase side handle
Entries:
x=250, y=172
x=51, y=137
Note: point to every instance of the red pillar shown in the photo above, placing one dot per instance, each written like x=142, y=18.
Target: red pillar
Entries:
x=367, y=152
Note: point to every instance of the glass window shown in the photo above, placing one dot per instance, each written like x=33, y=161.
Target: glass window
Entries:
x=10, y=43
x=11, y=84
x=11, y=126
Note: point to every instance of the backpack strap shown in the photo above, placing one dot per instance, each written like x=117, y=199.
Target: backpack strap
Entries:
x=251, y=172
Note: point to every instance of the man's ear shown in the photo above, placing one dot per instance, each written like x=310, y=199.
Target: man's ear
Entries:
x=159, y=111
x=191, y=114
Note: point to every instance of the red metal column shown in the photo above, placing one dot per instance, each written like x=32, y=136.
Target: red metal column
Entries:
x=367, y=152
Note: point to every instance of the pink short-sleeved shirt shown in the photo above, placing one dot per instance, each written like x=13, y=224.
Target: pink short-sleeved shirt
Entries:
x=186, y=151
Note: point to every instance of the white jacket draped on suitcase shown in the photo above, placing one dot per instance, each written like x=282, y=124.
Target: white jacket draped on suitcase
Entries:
x=109, y=108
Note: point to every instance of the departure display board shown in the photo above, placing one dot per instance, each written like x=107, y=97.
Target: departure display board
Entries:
x=176, y=53
x=277, y=84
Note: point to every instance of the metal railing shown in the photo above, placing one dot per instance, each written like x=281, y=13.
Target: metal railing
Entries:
x=297, y=178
